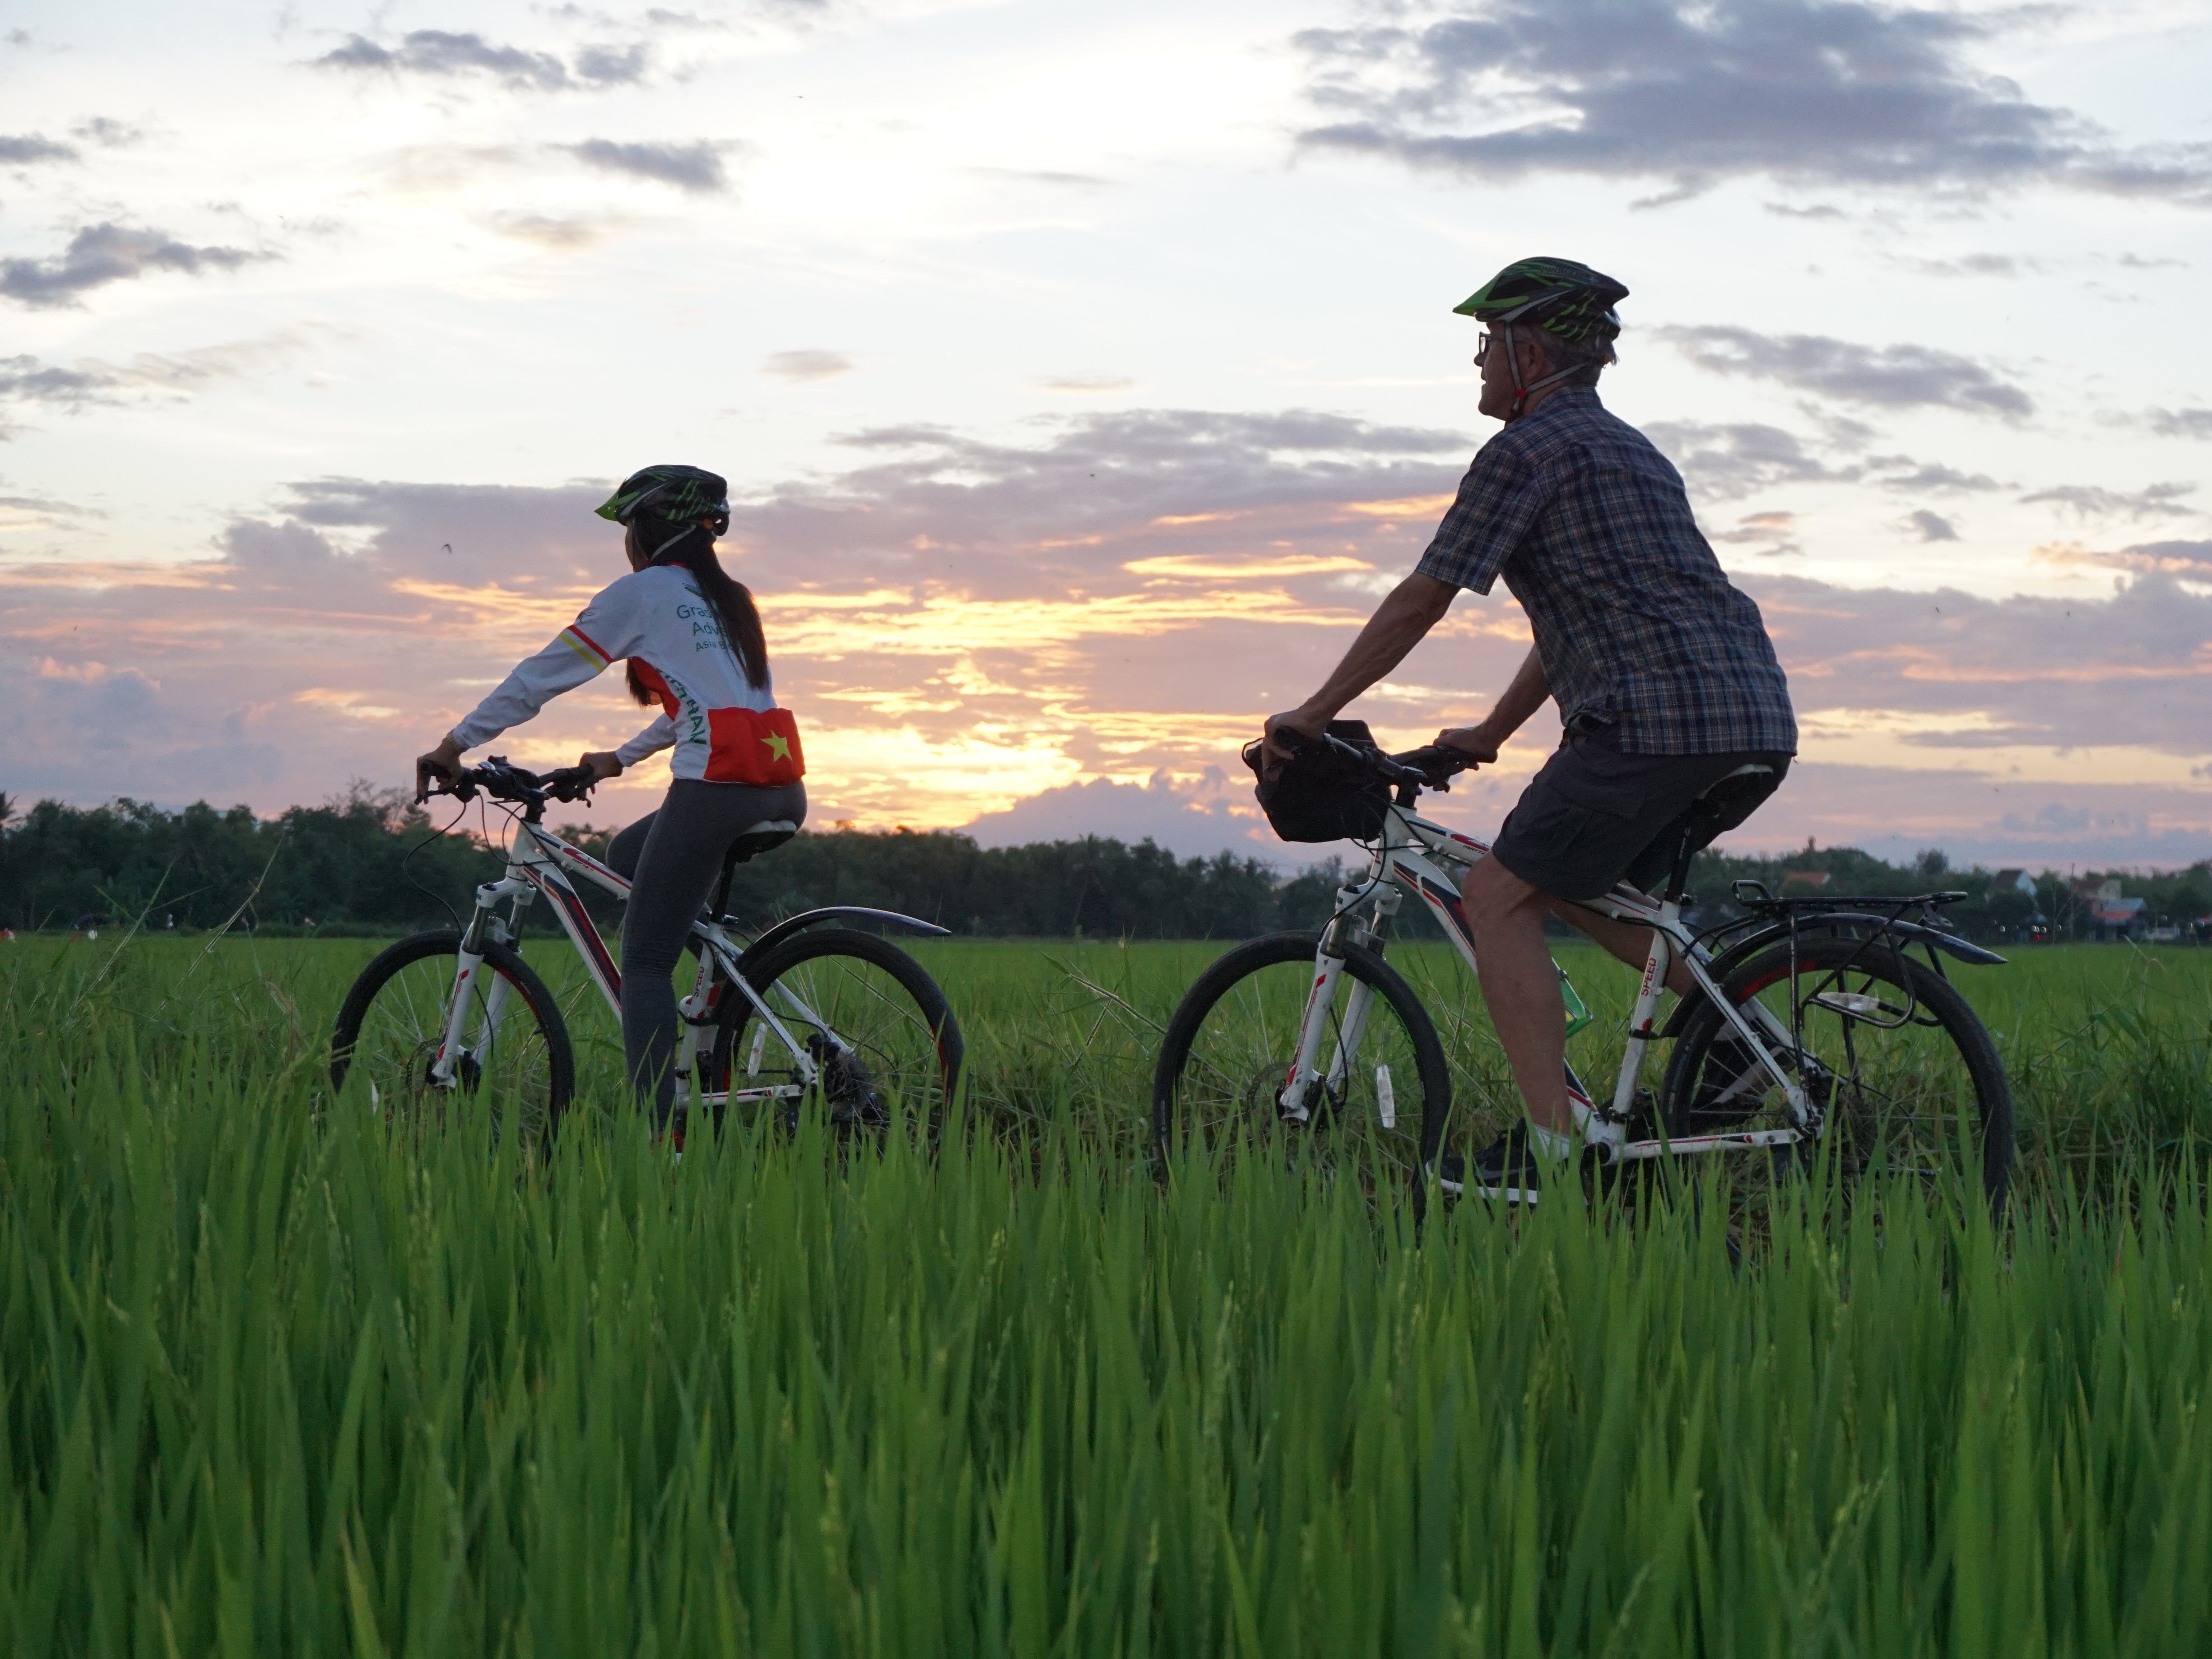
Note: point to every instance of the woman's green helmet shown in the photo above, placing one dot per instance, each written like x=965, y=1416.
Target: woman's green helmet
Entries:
x=681, y=494
x=1559, y=296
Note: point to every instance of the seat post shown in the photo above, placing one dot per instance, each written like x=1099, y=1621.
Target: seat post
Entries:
x=1679, y=881
x=720, y=901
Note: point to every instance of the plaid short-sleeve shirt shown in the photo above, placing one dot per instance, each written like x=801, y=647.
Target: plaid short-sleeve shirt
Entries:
x=1641, y=634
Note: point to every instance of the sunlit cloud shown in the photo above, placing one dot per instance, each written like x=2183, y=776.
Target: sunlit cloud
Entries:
x=961, y=665
x=1296, y=564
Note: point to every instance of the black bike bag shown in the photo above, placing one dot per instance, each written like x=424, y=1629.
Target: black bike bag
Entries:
x=1319, y=795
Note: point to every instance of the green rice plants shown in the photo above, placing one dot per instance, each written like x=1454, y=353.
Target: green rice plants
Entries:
x=273, y=1379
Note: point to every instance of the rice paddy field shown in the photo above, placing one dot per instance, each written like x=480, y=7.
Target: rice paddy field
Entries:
x=275, y=1380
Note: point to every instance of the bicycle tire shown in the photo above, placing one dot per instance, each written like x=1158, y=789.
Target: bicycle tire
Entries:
x=404, y=1038
x=1248, y=1068
x=1865, y=1133
x=909, y=1056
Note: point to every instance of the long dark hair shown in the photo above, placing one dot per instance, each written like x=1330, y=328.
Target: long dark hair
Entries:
x=693, y=548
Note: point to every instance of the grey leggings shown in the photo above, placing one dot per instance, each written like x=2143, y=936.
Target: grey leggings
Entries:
x=672, y=857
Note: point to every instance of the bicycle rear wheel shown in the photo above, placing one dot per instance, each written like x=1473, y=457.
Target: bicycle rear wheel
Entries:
x=884, y=1045
x=1902, y=1068
x=515, y=1071
x=1231, y=1042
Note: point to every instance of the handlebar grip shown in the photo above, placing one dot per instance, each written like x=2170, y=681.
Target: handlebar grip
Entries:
x=571, y=783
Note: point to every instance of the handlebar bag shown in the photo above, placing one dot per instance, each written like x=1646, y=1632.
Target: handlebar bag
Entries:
x=1319, y=795
x=752, y=746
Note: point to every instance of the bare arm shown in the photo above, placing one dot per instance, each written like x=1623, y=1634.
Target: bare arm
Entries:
x=1522, y=697
x=1399, y=622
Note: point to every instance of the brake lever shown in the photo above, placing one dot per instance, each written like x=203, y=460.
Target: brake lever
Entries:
x=570, y=783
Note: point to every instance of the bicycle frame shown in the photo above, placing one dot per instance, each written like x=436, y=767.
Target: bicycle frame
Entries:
x=1429, y=861
x=539, y=862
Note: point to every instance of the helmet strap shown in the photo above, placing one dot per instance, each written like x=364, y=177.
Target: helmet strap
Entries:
x=655, y=556
x=1522, y=393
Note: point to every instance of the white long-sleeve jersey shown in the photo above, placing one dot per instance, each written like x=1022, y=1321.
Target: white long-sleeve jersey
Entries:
x=658, y=619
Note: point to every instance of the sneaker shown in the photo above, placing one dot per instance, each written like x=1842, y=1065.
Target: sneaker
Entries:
x=1506, y=1169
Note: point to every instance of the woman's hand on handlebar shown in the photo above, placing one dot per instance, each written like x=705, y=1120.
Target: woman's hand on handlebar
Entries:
x=1474, y=742
x=443, y=763
x=601, y=763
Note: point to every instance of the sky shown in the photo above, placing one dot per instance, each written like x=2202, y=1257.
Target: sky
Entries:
x=1084, y=374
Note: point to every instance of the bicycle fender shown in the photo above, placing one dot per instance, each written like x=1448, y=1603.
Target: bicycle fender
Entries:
x=805, y=919
x=1911, y=932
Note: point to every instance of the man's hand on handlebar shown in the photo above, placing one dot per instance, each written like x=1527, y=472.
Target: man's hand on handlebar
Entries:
x=601, y=763
x=1473, y=743
x=1299, y=723
x=443, y=763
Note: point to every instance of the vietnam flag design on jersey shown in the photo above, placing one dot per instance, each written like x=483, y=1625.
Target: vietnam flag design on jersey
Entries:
x=754, y=746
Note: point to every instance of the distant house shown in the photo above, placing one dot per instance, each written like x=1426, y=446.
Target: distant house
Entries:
x=1805, y=878
x=2017, y=879
x=2119, y=918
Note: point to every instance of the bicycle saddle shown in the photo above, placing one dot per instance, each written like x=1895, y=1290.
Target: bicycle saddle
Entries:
x=762, y=837
x=1718, y=798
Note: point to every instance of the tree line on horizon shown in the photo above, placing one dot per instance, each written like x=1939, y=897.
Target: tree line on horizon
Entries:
x=369, y=862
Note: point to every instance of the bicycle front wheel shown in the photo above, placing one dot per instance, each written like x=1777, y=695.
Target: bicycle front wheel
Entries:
x=875, y=1031
x=514, y=1071
x=1905, y=1074
x=1231, y=1044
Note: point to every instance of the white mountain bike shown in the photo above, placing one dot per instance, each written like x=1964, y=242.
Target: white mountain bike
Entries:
x=1812, y=1030
x=808, y=1011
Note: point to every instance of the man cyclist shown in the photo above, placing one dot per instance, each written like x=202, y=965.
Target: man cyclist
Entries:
x=1665, y=678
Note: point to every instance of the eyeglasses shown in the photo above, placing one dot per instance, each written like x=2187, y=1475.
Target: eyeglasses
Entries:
x=1482, y=348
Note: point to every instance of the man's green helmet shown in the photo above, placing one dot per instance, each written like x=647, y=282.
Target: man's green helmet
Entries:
x=1559, y=296
x=681, y=494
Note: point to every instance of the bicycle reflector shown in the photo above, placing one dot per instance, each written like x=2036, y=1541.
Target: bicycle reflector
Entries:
x=1319, y=795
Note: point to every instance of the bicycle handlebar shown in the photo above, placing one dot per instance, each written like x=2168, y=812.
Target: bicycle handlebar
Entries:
x=504, y=781
x=1432, y=766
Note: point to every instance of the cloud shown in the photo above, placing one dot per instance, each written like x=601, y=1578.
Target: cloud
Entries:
x=551, y=232
x=696, y=168
x=1083, y=181
x=2158, y=501
x=1727, y=463
x=1908, y=475
x=109, y=133
x=1066, y=629
x=1087, y=383
x=1954, y=671
x=1892, y=377
x=1191, y=817
x=2180, y=423
x=1818, y=210
x=24, y=149
x=441, y=54
x=807, y=365
x=1932, y=527
x=25, y=380
x=108, y=253
x=1977, y=264
x=2187, y=560
x=612, y=66
x=1817, y=91
x=1770, y=535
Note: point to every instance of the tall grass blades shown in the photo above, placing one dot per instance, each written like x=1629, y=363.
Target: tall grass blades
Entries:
x=275, y=1378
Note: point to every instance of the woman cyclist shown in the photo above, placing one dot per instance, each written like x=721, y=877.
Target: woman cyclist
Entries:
x=692, y=639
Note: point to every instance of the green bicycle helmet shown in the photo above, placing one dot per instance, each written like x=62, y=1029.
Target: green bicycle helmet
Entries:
x=1565, y=298
x=681, y=494
x=1559, y=296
